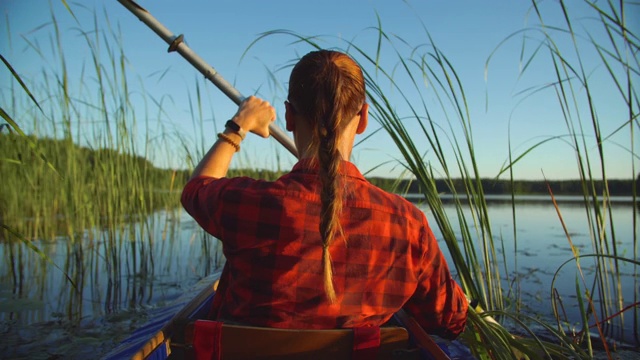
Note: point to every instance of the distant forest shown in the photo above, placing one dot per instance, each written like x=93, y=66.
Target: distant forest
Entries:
x=58, y=151
x=617, y=187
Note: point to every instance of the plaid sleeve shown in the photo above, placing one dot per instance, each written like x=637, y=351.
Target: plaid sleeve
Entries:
x=438, y=304
x=201, y=199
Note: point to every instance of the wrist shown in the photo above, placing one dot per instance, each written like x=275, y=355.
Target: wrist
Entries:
x=234, y=135
x=233, y=127
x=228, y=138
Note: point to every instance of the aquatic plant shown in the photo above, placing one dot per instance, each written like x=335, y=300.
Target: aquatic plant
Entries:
x=475, y=256
x=89, y=194
x=77, y=174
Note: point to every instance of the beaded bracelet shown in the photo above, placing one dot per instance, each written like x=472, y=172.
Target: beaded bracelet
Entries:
x=229, y=140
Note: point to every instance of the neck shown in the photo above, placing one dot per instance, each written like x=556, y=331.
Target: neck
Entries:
x=302, y=137
x=307, y=153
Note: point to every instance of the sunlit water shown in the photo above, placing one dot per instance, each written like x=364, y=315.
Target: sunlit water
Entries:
x=539, y=262
x=42, y=315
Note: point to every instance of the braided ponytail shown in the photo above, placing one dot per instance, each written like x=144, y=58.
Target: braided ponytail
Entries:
x=328, y=88
x=331, y=188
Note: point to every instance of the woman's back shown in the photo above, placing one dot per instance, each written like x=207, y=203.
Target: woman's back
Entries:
x=274, y=264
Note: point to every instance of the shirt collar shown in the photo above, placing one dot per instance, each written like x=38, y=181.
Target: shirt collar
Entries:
x=346, y=168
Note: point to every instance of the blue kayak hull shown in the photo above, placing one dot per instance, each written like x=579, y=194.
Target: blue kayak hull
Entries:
x=162, y=337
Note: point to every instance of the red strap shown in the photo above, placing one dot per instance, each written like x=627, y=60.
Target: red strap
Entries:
x=207, y=340
x=366, y=342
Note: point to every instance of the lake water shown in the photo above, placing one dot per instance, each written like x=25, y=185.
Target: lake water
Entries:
x=533, y=261
x=156, y=263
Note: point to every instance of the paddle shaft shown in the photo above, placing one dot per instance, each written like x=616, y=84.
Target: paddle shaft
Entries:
x=176, y=43
x=422, y=339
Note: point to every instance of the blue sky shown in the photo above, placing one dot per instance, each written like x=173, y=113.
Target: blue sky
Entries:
x=502, y=104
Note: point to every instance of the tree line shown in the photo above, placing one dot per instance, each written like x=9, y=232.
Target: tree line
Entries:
x=617, y=187
x=87, y=163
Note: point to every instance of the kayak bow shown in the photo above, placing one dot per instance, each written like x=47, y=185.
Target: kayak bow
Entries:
x=170, y=336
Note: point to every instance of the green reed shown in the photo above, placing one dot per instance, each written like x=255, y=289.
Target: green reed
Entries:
x=75, y=166
x=88, y=194
x=574, y=87
x=475, y=260
x=475, y=257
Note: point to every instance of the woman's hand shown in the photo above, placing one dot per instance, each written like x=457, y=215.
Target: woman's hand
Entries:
x=255, y=115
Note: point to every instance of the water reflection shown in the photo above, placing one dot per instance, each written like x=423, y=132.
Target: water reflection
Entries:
x=150, y=262
x=145, y=263
x=533, y=251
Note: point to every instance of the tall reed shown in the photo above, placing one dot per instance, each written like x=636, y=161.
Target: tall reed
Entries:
x=88, y=194
x=576, y=95
x=76, y=170
x=603, y=297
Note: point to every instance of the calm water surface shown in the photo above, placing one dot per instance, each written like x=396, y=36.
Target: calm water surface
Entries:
x=532, y=255
x=157, y=262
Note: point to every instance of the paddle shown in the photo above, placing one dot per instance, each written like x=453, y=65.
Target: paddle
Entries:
x=176, y=43
x=422, y=339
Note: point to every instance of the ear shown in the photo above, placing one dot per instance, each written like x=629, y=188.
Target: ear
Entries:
x=289, y=116
x=364, y=119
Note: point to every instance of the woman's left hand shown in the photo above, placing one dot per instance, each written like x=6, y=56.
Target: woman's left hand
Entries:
x=255, y=115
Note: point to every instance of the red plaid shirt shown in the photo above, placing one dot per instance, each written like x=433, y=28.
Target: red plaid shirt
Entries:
x=274, y=277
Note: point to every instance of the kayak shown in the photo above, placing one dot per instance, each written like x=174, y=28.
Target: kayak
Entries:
x=171, y=336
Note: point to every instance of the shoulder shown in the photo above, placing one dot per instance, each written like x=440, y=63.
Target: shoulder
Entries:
x=222, y=188
x=394, y=204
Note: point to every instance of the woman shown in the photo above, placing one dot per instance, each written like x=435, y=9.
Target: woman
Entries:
x=320, y=247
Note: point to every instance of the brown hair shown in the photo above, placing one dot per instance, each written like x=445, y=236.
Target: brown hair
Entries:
x=327, y=88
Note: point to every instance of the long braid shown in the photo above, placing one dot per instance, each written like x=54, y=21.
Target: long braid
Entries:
x=329, y=159
x=328, y=89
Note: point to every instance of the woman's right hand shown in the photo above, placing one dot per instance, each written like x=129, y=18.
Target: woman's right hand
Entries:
x=254, y=115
